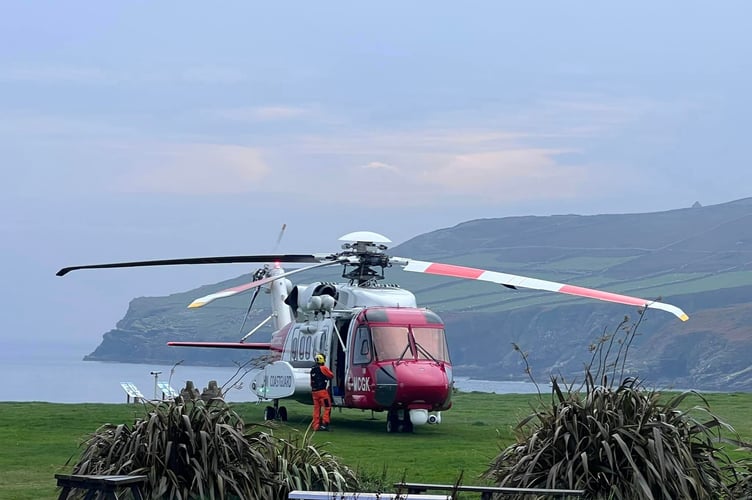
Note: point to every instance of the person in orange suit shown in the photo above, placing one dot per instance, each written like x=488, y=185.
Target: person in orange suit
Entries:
x=320, y=377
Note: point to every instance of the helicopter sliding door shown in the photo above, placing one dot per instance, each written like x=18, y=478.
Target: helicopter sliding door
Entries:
x=339, y=360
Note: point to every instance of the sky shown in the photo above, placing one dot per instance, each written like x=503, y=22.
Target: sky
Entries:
x=146, y=130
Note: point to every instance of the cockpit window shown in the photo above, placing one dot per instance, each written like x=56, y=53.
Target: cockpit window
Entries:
x=391, y=342
x=431, y=343
x=362, y=352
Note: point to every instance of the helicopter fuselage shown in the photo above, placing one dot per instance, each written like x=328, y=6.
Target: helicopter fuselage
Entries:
x=385, y=352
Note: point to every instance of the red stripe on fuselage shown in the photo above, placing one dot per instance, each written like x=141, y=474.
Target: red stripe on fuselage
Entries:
x=597, y=294
x=454, y=271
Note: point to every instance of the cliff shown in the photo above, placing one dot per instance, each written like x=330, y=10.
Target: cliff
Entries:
x=698, y=258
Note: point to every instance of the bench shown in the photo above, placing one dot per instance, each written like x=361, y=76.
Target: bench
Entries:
x=108, y=485
x=486, y=492
x=331, y=495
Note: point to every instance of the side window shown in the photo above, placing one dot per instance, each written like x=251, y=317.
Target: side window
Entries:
x=302, y=346
x=324, y=341
x=294, y=347
x=362, y=346
x=305, y=348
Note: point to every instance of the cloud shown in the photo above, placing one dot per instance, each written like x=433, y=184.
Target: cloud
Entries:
x=507, y=175
x=91, y=75
x=213, y=75
x=279, y=112
x=348, y=162
x=461, y=165
x=425, y=140
x=72, y=128
x=579, y=115
x=55, y=74
x=377, y=165
x=198, y=169
x=546, y=151
x=261, y=113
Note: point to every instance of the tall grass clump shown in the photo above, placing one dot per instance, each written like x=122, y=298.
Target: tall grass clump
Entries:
x=298, y=464
x=199, y=449
x=617, y=440
x=741, y=486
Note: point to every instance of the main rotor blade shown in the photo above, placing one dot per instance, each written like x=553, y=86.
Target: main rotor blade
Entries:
x=222, y=345
x=302, y=258
x=514, y=281
x=202, y=301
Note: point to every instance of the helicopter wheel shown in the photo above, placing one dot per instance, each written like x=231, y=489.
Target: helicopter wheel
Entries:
x=392, y=422
x=406, y=425
x=269, y=413
x=282, y=413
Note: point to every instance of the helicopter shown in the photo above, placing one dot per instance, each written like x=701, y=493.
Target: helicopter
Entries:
x=386, y=352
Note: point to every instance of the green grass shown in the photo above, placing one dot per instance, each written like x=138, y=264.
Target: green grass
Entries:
x=465, y=441
x=36, y=439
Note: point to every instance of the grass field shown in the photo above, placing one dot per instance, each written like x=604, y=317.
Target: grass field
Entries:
x=36, y=439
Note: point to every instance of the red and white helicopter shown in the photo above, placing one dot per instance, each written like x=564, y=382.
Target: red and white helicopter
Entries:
x=386, y=353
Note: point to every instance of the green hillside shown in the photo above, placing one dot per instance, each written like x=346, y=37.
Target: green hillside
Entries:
x=699, y=259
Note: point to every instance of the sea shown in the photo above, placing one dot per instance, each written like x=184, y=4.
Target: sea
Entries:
x=59, y=375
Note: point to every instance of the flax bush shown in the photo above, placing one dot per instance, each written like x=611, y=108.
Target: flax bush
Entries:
x=204, y=450
x=618, y=441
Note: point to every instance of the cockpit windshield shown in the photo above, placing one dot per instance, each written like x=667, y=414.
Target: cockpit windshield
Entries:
x=390, y=342
x=431, y=343
x=393, y=342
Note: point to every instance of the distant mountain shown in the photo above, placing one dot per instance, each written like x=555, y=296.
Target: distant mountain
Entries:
x=698, y=258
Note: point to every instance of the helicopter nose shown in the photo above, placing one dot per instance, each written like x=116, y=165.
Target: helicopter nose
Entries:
x=413, y=383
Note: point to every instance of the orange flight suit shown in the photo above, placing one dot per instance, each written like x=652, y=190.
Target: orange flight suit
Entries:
x=320, y=375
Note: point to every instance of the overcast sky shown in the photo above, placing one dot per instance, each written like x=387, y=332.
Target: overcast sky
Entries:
x=137, y=130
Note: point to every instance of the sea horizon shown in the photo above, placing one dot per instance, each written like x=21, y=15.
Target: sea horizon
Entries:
x=60, y=375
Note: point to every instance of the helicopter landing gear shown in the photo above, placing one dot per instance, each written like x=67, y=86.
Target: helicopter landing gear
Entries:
x=282, y=414
x=395, y=423
x=269, y=413
x=275, y=412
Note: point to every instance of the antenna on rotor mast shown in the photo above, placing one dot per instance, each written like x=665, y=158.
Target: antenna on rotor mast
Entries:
x=279, y=238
